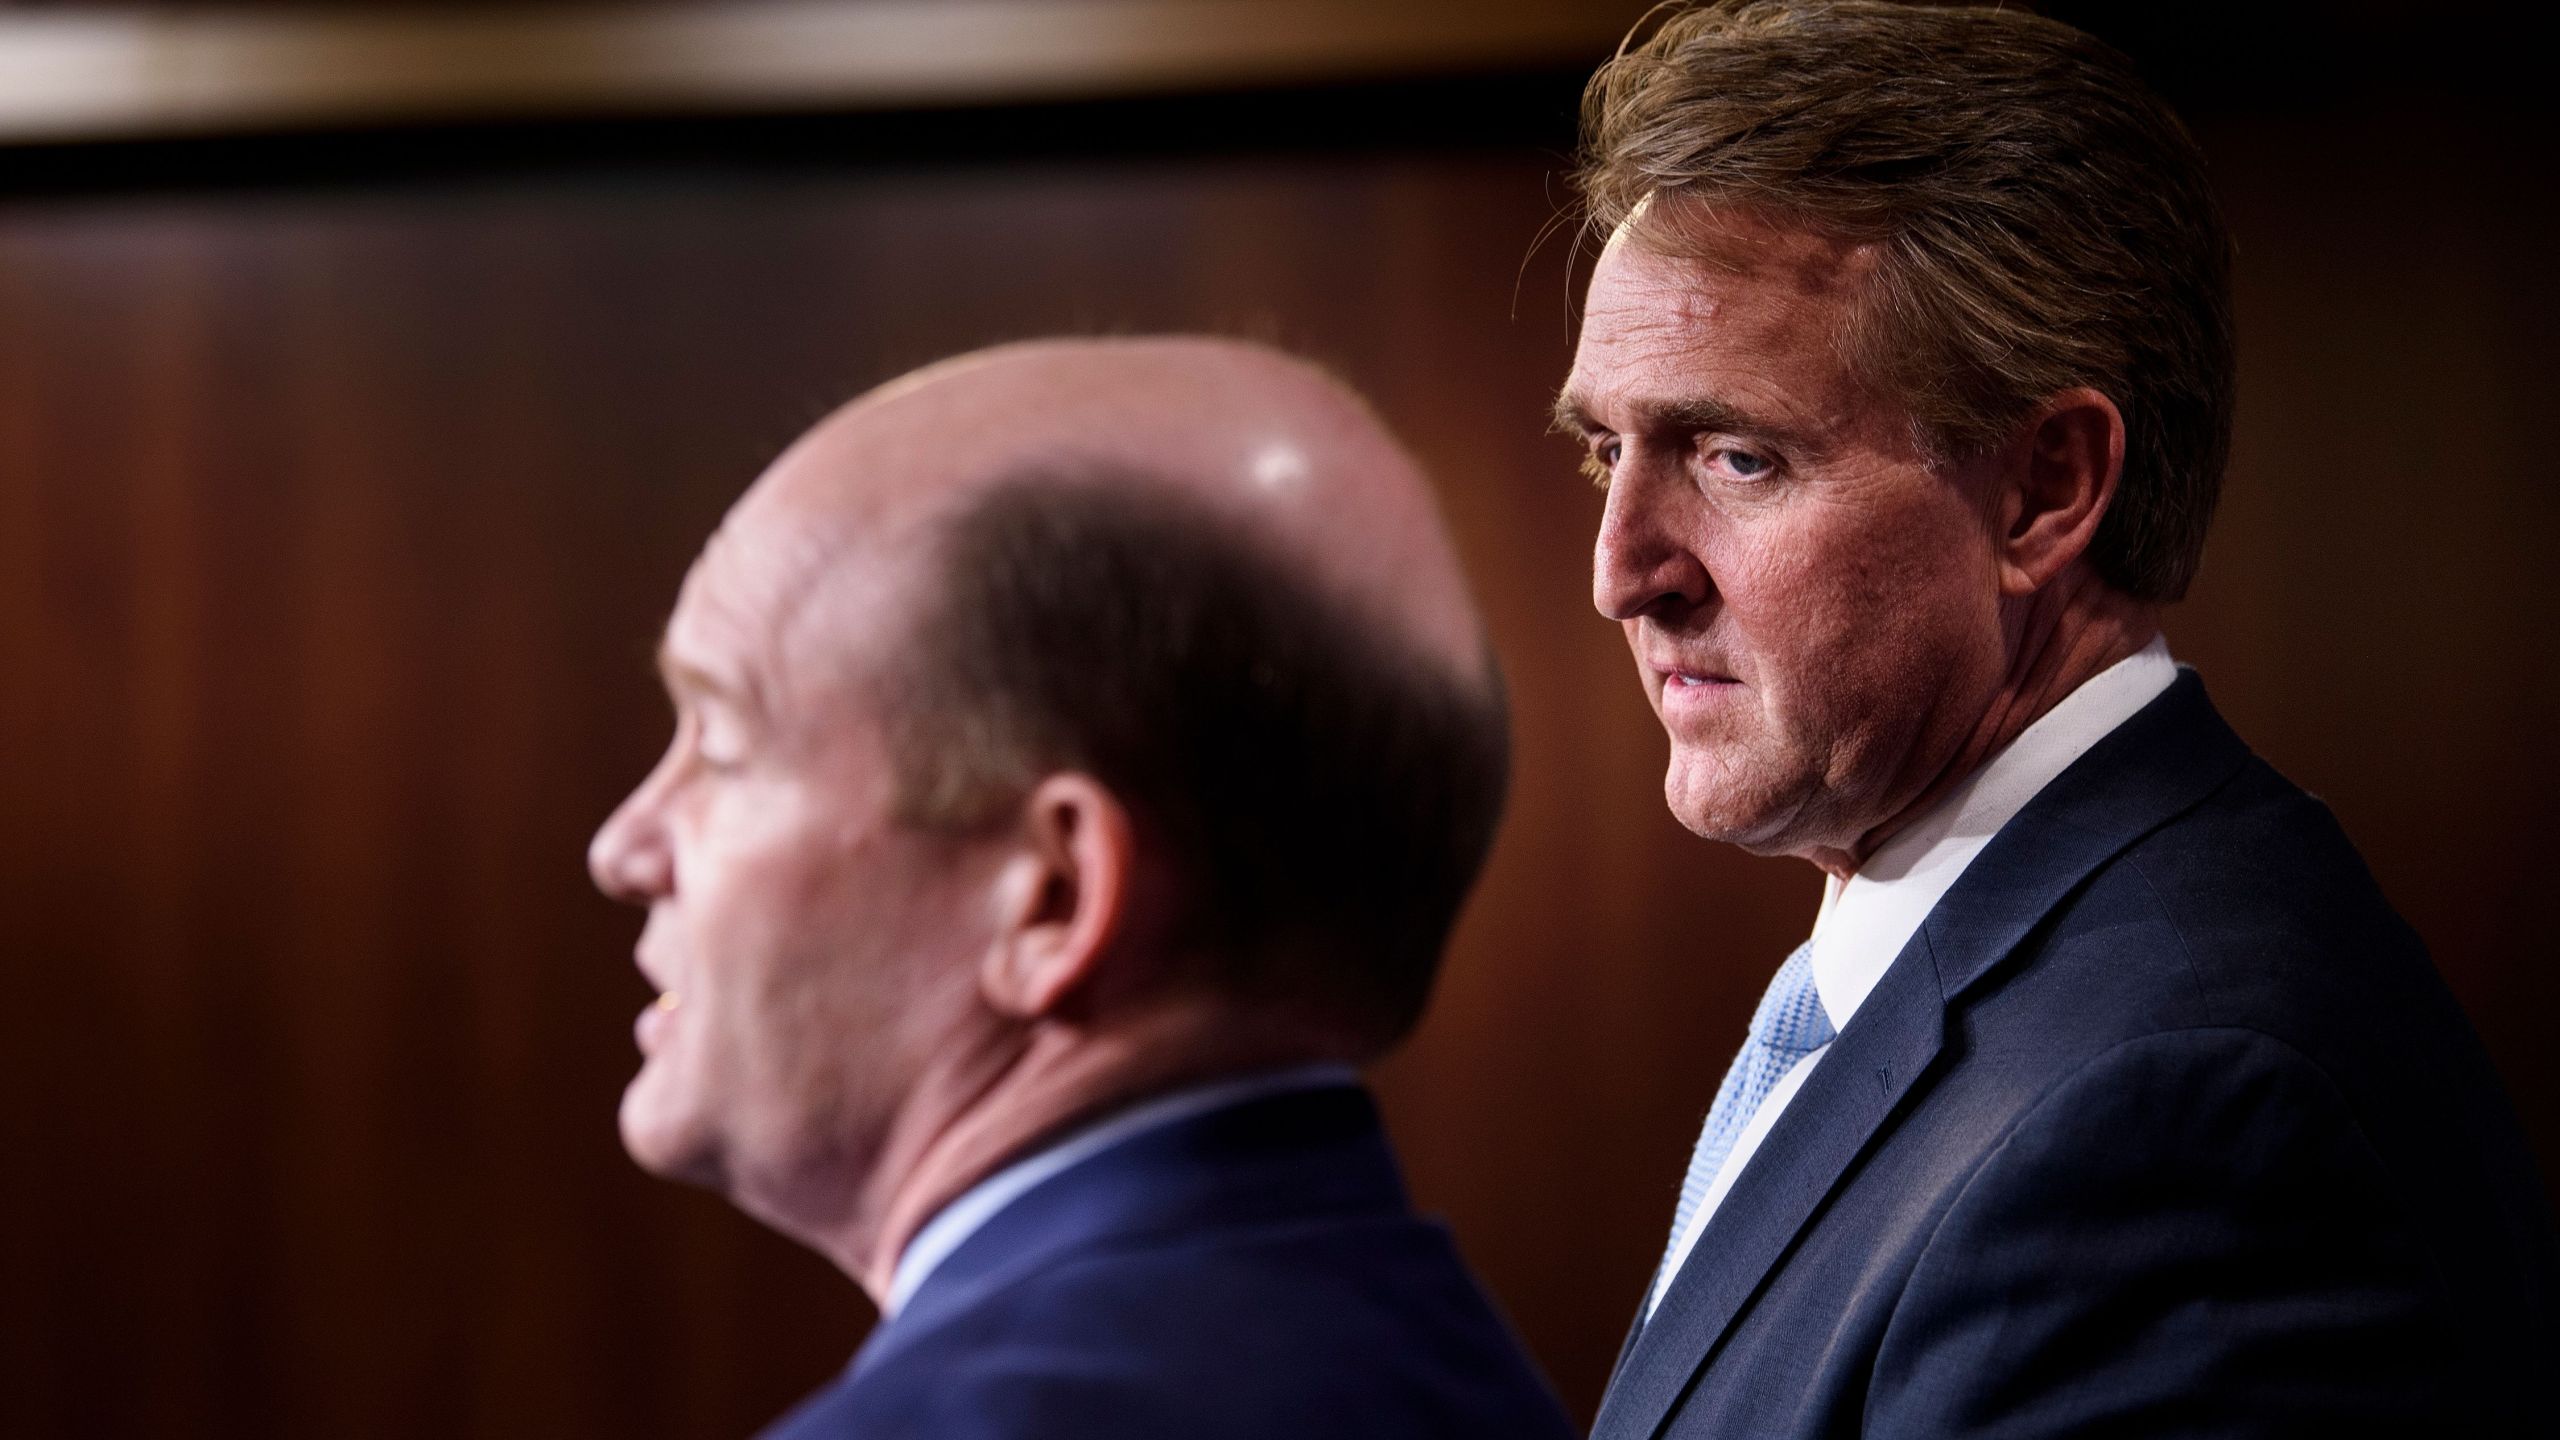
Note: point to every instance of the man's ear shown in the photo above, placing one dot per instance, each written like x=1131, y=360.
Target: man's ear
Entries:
x=2057, y=477
x=1062, y=897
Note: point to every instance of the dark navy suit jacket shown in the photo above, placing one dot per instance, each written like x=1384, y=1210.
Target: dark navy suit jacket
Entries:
x=1253, y=1272
x=2162, y=1125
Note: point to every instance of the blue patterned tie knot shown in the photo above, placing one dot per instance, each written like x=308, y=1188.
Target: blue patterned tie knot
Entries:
x=1789, y=1025
x=1791, y=1017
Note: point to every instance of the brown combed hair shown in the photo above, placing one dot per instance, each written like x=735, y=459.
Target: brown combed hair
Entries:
x=2043, y=222
x=1325, y=792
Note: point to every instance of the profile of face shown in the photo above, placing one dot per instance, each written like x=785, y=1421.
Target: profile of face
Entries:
x=1813, y=607
x=809, y=949
x=851, y=1002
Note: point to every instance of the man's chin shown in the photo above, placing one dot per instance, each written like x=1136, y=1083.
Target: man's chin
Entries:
x=1705, y=800
x=662, y=1140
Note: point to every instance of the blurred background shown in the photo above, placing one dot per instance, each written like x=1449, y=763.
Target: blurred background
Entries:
x=368, y=377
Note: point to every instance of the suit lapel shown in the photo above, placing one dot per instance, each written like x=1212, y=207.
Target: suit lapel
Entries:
x=2155, y=766
x=1627, y=1346
x=1852, y=1091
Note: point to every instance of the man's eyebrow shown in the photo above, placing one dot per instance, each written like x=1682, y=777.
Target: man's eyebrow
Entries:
x=1700, y=413
x=1568, y=417
x=683, y=677
x=1686, y=414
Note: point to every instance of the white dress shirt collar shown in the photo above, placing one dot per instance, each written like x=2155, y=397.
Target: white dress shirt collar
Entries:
x=1865, y=922
x=956, y=1222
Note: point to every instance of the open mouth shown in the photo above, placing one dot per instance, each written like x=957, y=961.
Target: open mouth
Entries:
x=651, y=1025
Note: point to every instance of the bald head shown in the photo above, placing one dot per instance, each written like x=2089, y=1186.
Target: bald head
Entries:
x=1263, y=441
x=1198, y=571
x=1053, y=726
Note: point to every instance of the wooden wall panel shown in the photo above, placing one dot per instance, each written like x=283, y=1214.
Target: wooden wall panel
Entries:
x=335, y=526
x=2375, y=608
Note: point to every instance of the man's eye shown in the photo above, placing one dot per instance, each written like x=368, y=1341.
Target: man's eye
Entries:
x=713, y=745
x=1743, y=463
x=1600, y=461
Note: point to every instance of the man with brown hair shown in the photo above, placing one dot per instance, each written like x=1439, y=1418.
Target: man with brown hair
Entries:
x=1082, y=749
x=2108, y=1095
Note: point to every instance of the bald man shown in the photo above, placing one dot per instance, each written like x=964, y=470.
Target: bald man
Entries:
x=1082, y=750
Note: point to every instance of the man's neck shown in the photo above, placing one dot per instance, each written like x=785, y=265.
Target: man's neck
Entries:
x=1058, y=1077
x=2057, y=639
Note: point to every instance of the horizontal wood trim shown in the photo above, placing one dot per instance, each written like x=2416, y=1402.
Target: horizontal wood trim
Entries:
x=76, y=75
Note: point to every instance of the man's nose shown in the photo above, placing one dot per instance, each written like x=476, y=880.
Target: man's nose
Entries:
x=628, y=857
x=1640, y=562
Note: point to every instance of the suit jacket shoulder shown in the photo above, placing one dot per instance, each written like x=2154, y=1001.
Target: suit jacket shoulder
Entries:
x=2162, y=1123
x=1254, y=1272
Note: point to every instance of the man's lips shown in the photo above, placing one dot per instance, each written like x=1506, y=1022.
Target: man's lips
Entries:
x=1673, y=675
x=653, y=1022
x=1681, y=691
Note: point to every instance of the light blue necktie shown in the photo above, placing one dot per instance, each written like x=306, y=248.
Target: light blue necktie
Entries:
x=1789, y=1025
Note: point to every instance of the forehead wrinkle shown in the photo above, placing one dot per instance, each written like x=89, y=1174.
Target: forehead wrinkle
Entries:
x=1660, y=311
x=1675, y=346
x=726, y=637
x=1793, y=266
x=1737, y=235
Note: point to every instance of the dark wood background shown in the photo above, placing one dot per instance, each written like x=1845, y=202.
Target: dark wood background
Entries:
x=336, y=520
